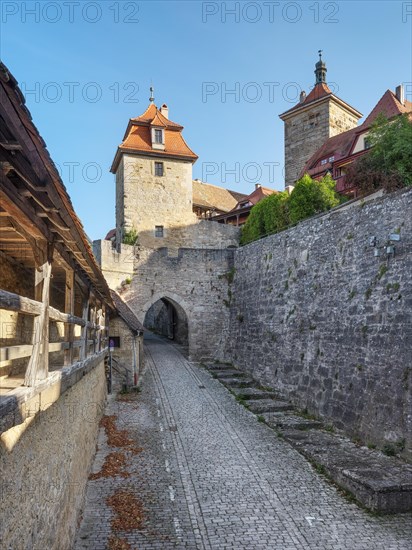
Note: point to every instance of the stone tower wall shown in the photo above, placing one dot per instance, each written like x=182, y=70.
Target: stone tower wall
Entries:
x=144, y=200
x=306, y=130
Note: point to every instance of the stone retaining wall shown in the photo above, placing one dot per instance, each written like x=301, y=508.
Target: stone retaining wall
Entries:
x=45, y=458
x=316, y=315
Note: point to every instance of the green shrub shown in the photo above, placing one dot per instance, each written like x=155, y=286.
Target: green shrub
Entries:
x=130, y=237
x=388, y=164
x=277, y=212
x=310, y=197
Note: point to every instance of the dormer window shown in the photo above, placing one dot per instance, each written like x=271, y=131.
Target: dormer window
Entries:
x=158, y=138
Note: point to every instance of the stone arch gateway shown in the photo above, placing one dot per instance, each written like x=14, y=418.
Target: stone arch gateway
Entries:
x=166, y=316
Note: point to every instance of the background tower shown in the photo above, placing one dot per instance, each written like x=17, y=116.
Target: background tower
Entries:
x=317, y=117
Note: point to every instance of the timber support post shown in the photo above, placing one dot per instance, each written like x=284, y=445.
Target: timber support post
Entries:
x=69, y=308
x=38, y=366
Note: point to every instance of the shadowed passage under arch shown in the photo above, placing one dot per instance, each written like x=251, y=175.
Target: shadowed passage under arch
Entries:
x=168, y=318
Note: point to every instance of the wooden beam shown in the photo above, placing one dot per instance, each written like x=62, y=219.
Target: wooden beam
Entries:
x=14, y=302
x=10, y=353
x=86, y=304
x=69, y=309
x=38, y=366
x=18, y=211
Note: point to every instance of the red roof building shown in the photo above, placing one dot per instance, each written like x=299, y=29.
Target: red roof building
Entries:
x=318, y=116
x=338, y=152
x=240, y=213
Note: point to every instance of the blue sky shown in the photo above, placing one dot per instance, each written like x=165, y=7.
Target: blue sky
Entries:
x=86, y=68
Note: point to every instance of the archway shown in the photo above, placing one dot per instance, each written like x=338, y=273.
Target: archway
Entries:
x=168, y=318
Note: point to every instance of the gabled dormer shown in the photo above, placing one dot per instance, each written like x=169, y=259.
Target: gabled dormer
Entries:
x=153, y=134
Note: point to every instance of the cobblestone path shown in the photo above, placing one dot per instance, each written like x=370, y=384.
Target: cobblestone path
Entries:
x=210, y=476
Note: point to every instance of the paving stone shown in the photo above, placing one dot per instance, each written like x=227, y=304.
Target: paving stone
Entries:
x=260, y=406
x=210, y=477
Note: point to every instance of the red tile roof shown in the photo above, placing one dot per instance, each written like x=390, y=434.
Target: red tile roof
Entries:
x=137, y=138
x=390, y=106
x=320, y=91
x=260, y=193
x=153, y=116
x=340, y=146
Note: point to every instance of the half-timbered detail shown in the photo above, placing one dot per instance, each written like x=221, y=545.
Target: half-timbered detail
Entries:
x=54, y=300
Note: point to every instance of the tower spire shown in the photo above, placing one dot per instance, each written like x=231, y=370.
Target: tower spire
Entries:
x=320, y=70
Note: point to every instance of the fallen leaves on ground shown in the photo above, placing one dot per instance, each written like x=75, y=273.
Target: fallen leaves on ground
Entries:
x=118, y=438
x=128, y=509
x=114, y=465
x=115, y=543
x=127, y=397
x=115, y=437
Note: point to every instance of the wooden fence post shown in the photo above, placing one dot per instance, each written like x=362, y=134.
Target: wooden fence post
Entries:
x=69, y=308
x=38, y=366
x=85, y=346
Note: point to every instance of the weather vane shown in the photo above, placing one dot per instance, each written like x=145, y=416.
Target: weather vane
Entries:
x=320, y=54
x=151, y=98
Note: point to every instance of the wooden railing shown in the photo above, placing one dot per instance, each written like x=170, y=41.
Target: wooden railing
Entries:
x=22, y=305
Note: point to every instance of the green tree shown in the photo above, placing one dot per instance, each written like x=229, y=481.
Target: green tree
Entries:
x=275, y=212
x=254, y=227
x=388, y=164
x=310, y=197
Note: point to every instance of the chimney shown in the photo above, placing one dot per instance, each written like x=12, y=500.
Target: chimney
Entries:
x=257, y=186
x=400, y=94
x=164, y=109
x=302, y=96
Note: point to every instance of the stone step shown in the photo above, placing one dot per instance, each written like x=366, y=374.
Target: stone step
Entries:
x=241, y=382
x=282, y=421
x=228, y=373
x=380, y=483
x=260, y=406
x=254, y=393
x=217, y=366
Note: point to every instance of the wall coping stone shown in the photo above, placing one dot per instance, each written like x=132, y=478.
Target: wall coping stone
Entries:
x=26, y=402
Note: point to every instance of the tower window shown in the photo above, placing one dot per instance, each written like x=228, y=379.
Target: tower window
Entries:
x=159, y=232
x=158, y=168
x=158, y=136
